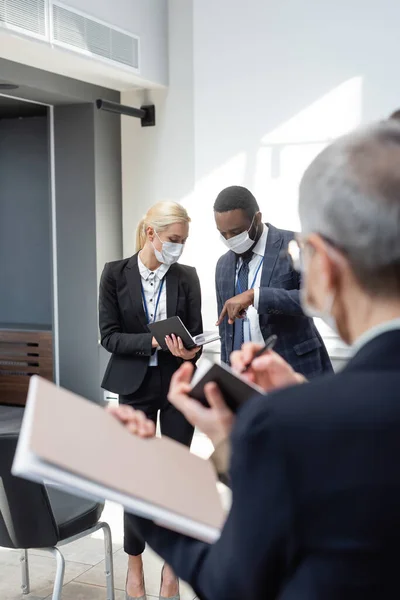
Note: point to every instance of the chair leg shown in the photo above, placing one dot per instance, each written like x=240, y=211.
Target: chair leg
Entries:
x=26, y=588
x=108, y=550
x=59, y=579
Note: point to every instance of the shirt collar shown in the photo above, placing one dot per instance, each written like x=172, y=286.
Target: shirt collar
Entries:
x=259, y=248
x=374, y=332
x=145, y=272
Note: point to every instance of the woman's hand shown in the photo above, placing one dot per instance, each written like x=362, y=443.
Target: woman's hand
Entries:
x=135, y=421
x=154, y=343
x=176, y=347
x=217, y=421
x=270, y=371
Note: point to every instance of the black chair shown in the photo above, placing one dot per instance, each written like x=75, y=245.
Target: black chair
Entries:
x=38, y=516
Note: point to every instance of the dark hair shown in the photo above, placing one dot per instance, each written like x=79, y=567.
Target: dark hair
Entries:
x=236, y=197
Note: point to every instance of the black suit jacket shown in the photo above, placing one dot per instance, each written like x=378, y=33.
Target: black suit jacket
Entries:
x=316, y=493
x=122, y=319
x=279, y=308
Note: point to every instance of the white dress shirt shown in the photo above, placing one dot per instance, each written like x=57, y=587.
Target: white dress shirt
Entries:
x=253, y=333
x=151, y=282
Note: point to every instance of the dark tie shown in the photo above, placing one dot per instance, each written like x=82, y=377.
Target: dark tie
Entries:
x=242, y=285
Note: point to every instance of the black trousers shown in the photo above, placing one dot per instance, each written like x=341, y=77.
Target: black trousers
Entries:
x=151, y=398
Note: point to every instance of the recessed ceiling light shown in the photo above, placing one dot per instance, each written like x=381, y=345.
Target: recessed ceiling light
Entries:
x=8, y=86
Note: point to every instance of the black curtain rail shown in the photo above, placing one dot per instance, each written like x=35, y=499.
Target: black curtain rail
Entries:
x=146, y=114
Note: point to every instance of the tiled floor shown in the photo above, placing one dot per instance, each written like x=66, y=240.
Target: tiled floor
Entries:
x=84, y=576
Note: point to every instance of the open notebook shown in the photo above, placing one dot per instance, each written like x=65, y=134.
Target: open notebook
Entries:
x=69, y=441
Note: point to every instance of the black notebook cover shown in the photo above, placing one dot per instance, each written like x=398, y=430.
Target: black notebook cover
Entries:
x=174, y=325
x=235, y=389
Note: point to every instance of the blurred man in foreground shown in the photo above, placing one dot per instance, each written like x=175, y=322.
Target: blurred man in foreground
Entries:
x=315, y=470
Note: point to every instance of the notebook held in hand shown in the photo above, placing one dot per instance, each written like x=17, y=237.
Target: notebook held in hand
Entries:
x=181, y=493
x=235, y=389
x=174, y=325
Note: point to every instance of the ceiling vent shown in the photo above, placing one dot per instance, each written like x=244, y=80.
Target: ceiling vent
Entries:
x=77, y=31
x=25, y=16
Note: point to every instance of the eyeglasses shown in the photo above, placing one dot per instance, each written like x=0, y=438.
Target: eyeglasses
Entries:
x=296, y=247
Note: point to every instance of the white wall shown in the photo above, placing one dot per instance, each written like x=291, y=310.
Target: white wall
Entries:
x=158, y=162
x=145, y=18
x=273, y=82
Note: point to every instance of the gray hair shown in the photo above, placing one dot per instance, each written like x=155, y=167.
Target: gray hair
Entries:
x=350, y=194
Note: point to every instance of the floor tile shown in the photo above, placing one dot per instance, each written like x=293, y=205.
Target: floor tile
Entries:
x=42, y=572
x=81, y=591
x=152, y=569
x=88, y=550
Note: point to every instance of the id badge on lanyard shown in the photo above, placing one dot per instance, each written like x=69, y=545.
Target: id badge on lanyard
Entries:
x=246, y=329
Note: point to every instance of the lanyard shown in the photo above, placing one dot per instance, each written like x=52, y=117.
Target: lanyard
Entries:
x=146, y=310
x=255, y=276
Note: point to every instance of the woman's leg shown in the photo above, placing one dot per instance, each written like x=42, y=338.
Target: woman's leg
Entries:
x=174, y=425
x=134, y=548
x=147, y=400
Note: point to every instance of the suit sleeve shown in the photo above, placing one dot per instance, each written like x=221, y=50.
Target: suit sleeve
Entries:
x=278, y=301
x=250, y=560
x=220, y=306
x=112, y=337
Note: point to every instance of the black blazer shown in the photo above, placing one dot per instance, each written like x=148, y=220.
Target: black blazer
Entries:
x=279, y=309
x=316, y=493
x=122, y=319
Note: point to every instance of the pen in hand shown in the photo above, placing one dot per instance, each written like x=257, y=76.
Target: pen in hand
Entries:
x=269, y=344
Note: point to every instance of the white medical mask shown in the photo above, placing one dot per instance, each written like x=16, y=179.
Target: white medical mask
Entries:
x=240, y=243
x=170, y=252
x=325, y=315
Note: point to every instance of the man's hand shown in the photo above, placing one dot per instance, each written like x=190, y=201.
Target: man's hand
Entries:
x=135, y=421
x=235, y=308
x=217, y=421
x=270, y=371
x=176, y=347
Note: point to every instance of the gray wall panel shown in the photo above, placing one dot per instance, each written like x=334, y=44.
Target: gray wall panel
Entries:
x=89, y=233
x=25, y=246
x=76, y=248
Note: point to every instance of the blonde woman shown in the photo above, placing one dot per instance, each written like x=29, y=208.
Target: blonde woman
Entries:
x=149, y=286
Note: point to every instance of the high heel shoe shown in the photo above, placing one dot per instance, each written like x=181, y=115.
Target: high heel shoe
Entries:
x=176, y=597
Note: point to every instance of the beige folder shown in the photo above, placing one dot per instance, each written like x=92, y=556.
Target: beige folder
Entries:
x=69, y=441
